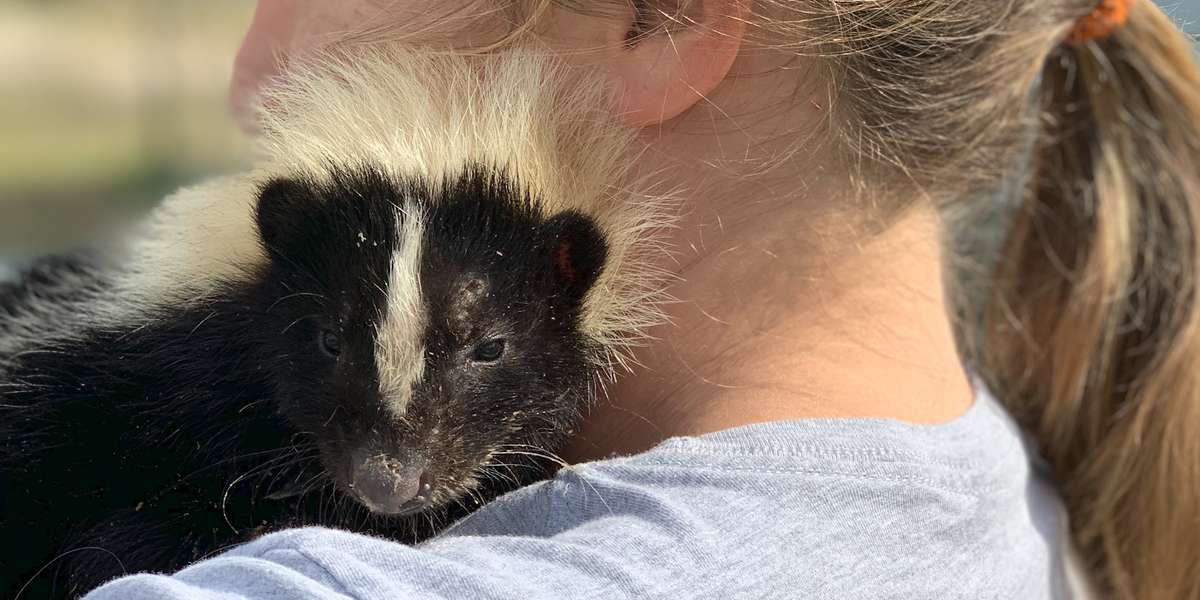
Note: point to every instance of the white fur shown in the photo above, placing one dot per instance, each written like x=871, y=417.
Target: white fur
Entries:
x=196, y=238
x=399, y=355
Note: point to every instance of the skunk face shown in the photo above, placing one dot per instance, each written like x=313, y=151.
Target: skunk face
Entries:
x=425, y=337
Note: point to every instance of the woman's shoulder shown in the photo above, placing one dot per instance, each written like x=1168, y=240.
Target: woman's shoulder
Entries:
x=848, y=508
x=860, y=507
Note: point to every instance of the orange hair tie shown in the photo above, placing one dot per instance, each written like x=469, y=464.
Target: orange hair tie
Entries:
x=1110, y=16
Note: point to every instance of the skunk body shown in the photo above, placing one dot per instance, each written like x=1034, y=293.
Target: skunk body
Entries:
x=413, y=297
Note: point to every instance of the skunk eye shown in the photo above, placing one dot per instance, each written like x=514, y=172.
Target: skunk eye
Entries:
x=489, y=351
x=330, y=344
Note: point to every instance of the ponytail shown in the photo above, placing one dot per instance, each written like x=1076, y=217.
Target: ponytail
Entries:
x=1092, y=337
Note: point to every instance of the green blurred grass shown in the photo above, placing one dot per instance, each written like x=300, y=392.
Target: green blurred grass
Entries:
x=106, y=107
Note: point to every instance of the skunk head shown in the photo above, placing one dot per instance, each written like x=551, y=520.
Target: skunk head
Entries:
x=424, y=336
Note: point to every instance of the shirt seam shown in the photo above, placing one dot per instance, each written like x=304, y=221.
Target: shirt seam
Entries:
x=805, y=451
x=958, y=486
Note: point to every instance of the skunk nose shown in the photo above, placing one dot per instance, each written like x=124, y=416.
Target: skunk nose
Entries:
x=387, y=486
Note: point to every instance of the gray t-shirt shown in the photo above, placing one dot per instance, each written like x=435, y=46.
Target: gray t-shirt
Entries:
x=839, y=508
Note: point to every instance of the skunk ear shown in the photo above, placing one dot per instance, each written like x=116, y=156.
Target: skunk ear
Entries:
x=285, y=208
x=577, y=252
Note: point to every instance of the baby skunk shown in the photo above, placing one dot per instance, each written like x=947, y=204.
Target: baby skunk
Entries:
x=411, y=300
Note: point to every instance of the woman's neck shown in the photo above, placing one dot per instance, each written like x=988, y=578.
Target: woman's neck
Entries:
x=792, y=303
x=784, y=315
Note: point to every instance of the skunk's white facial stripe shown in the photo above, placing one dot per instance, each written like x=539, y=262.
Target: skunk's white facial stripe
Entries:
x=399, y=352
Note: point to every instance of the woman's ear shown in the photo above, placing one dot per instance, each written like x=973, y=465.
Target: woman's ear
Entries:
x=667, y=63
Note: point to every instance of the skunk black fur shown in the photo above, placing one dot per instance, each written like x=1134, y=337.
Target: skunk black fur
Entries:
x=147, y=444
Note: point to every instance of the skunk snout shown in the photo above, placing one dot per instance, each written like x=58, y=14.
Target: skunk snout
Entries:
x=389, y=486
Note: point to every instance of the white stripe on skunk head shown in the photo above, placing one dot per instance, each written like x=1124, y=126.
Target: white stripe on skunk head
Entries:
x=421, y=332
x=399, y=351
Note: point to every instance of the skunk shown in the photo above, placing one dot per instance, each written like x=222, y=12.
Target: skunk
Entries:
x=399, y=313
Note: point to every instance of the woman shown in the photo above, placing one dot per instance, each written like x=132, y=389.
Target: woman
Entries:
x=806, y=429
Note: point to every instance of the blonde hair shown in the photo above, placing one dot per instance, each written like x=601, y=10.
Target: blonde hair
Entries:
x=1091, y=335
x=1091, y=331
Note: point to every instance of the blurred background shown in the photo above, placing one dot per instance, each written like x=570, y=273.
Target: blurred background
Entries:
x=107, y=106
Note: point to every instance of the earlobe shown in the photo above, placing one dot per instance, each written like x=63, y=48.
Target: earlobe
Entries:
x=662, y=73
